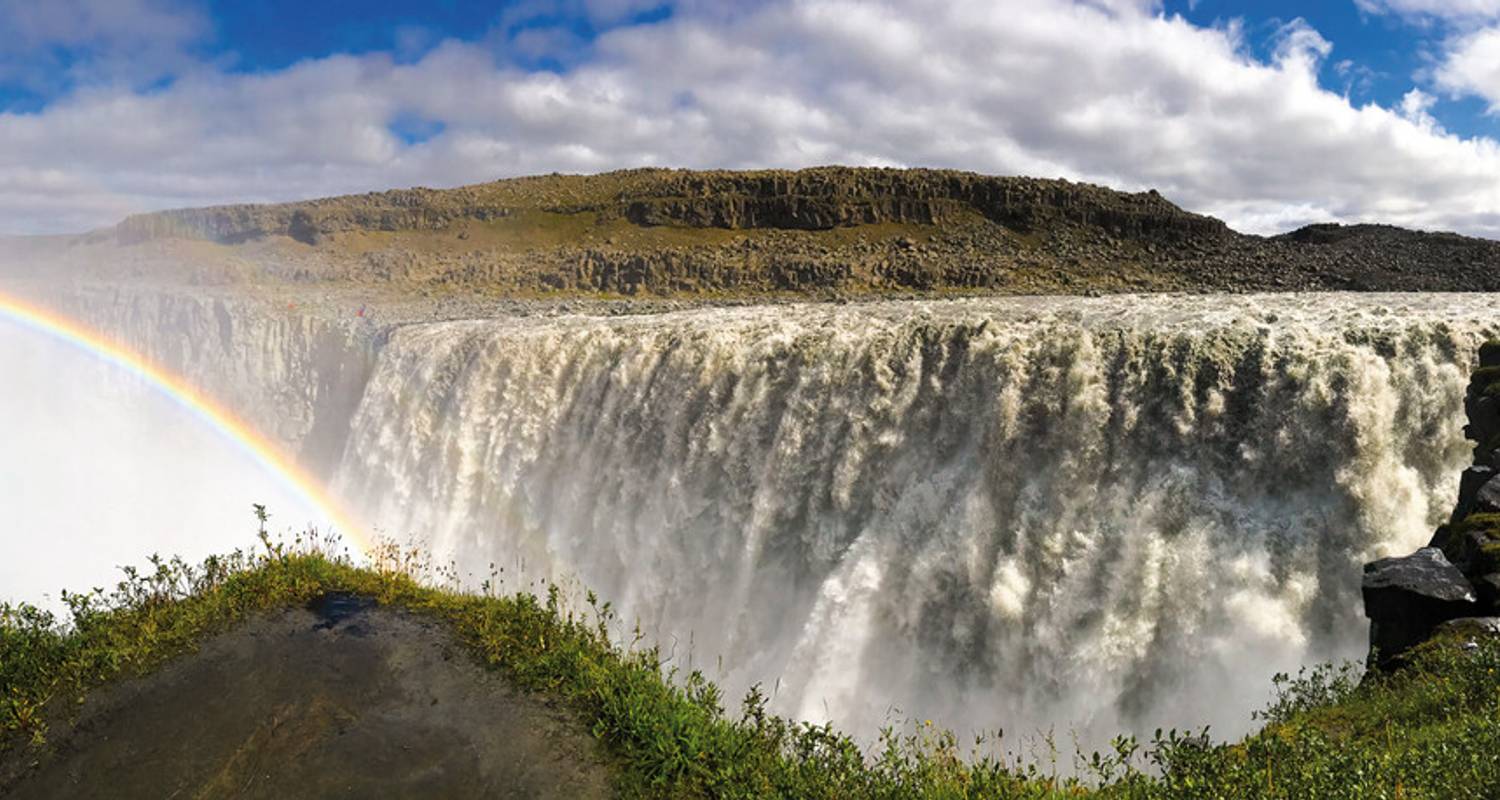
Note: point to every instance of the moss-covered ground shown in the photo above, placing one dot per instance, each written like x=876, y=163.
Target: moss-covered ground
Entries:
x=1430, y=731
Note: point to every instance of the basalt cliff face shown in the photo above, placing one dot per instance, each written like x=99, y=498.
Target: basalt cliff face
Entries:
x=1453, y=584
x=830, y=231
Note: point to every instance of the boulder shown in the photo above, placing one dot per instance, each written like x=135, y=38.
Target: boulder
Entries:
x=1487, y=497
x=1489, y=354
x=1406, y=598
x=1488, y=588
x=1474, y=479
x=1484, y=421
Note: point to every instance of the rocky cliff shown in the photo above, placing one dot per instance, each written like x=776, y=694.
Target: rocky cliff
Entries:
x=1453, y=584
x=811, y=199
x=826, y=231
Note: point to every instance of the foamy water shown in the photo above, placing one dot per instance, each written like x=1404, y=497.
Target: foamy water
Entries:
x=1057, y=513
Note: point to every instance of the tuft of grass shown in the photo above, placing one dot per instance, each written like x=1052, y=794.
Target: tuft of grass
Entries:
x=1429, y=731
x=1472, y=543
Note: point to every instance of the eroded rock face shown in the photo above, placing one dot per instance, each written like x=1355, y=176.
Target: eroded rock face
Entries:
x=1474, y=478
x=1407, y=598
x=1487, y=498
x=834, y=197
x=828, y=229
x=1457, y=576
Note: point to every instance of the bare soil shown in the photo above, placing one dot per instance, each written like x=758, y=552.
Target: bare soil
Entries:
x=343, y=699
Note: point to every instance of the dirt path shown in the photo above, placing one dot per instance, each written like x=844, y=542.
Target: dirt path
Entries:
x=343, y=699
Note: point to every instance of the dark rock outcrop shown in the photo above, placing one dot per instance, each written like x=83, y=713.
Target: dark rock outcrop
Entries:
x=1406, y=598
x=1455, y=581
x=1474, y=479
x=1487, y=498
x=838, y=197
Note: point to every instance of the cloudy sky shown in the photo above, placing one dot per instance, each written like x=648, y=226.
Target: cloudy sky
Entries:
x=1267, y=113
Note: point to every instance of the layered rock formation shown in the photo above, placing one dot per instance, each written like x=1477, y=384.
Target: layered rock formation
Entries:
x=1453, y=584
x=829, y=231
x=811, y=199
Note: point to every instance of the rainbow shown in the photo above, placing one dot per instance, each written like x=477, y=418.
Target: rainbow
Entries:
x=261, y=450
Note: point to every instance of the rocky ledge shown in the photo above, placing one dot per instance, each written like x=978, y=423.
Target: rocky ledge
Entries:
x=1453, y=584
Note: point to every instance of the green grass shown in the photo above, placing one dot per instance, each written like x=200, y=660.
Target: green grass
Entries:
x=1431, y=731
x=1473, y=543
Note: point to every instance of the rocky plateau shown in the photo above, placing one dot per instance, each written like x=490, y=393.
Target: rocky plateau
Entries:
x=822, y=232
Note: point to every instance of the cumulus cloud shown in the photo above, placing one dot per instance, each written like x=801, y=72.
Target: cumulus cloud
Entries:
x=1416, y=106
x=1110, y=91
x=1471, y=66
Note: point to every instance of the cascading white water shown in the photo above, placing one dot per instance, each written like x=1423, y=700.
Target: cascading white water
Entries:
x=1076, y=514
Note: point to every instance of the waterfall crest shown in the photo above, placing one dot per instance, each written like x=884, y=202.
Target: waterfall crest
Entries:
x=1021, y=513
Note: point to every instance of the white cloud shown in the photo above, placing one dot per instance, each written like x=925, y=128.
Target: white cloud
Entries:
x=1433, y=9
x=1110, y=92
x=73, y=22
x=1416, y=105
x=1471, y=66
x=1301, y=46
x=1467, y=53
x=51, y=43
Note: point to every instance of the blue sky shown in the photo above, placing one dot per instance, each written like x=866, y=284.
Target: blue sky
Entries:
x=1375, y=57
x=270, y=35
x=259, y=39
x=1386, y=50
x=1269, y=114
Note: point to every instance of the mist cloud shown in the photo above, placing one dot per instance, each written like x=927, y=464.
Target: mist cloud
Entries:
x=98, y=470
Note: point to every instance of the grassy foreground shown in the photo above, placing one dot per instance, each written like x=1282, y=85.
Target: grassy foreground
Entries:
x=1431, y=731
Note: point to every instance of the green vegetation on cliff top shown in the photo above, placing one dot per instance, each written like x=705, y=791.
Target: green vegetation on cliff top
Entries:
x=1429, y=731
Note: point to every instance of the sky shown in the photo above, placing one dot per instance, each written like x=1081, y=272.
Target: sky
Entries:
x=1269, y=114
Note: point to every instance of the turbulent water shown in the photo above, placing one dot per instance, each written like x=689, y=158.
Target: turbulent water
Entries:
x=1082, y=515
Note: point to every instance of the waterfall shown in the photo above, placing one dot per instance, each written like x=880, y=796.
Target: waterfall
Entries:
x=1082, y=515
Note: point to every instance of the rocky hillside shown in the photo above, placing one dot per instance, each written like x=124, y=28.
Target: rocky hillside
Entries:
x=824, y=231
x=1452, y=586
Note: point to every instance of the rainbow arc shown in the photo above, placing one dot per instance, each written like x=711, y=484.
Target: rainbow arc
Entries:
x=260, y=449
